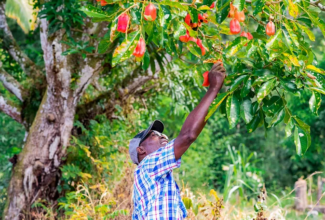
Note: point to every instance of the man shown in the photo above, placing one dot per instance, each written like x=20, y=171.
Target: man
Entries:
x=156, y=194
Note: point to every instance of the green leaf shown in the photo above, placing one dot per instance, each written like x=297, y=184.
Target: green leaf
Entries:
x=223, y=8
x=309, y=33
x=237, y=82
x=289, y=128
x=302, y=140
x=265, y=89
x=204, y=7
x=246, y=110
x=292, y=34
x=192, y=47
x=174, y=5
x=293, y=9
x=271, y=42
x=254, y=122
x=289, y=86
x=292, y=58
x=315, y=69
x=194, y=14
x=263, y=79
x=320, y=90
x=94, y=12
x=218, y=101
x=125, y=50
x=315, y=102
x=236, y=45
x=187, y=202
x=233, y=110
x=246, y=88
x=239, y=4
x=277, y=118
x=146, y=60
x=259, y=4
x=272, y=106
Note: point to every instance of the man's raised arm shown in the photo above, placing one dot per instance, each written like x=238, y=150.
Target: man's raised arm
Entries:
x=195, y=121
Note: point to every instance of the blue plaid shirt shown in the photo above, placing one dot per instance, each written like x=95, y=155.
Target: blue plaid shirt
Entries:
x=156, y=195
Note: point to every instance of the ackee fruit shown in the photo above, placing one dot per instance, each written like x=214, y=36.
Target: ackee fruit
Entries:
x=270, y=28
x=234, y=26
x=140, y=49
x=206, y=82
x=150, y=12
x=123, y=23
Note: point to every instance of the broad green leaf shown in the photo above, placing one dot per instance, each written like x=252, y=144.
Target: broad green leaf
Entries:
x=125, y=50
x=272, y=106
x=237, y=81
x=292, y=34
x=259, y=4
x=315, y=69
x=218, y=101
x=293, y=9
x=236, y=45
x=277, y=118
x=192, y=47
x=292, y=58
x=146, y=60
x=94, y=12
x=246, y=110
x=309, y=33
x=204, y=7
x=288, y=128
x=174, y=5
x=246, y=88
x=194, y=14
x=263, y=79
x=239, y=4
x=315, y=102
x=223, y=8
x=265, y=89
x=302, y=124
x=302, y=140
x=320, y=90
x=254, y=122
x=289, y=86
x=233, y=110
x=271, y=42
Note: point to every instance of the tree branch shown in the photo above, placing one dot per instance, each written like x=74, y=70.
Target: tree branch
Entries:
x=10, y=109
x=12, y=85
x=14, y=50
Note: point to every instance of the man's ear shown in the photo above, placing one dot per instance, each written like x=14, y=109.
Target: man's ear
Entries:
x=141, y=150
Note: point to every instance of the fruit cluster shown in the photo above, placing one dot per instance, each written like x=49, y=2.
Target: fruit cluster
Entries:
x=123, y=22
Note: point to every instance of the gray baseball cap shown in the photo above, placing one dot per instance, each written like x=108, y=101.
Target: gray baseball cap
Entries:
x=135, y=142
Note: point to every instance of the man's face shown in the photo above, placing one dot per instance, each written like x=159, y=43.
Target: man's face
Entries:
x=154, y=141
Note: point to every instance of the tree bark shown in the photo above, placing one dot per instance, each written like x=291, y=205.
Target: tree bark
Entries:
x=36, y=174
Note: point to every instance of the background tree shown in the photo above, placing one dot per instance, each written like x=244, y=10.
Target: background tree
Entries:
x=88, y=69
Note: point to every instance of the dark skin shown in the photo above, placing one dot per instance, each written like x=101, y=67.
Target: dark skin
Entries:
x=194, y=122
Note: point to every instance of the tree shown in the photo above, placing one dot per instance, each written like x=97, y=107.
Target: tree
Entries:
x=86, y=55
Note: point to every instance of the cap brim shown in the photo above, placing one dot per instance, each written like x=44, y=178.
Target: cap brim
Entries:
x=156, y=125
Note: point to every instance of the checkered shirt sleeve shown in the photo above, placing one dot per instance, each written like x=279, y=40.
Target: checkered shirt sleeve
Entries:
x=162, y=161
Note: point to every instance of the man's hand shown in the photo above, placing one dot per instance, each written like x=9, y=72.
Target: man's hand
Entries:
x=195, y=121
x=217, y=76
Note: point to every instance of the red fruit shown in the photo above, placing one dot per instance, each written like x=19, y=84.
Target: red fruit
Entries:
x=150, y=12
x=103, y=3
x=232, y=11
x=270, y=28
x=234, y=26
x=123, y=23
x=206, y=82
x=240, y=16
x=213, y=5
x=188, y=19
x=199, y=43
x=249, y=36
x=185, y=38
x=140, y=49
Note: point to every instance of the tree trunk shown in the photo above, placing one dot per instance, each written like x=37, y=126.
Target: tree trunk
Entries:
x=36, y=174
x=301, y=195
